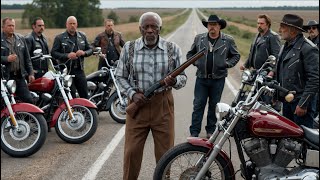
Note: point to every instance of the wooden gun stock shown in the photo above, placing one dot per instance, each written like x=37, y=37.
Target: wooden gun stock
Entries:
x=133, y=108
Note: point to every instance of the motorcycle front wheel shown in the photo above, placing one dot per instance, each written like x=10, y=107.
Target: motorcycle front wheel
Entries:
x=79, y=130
x=25, y=140
x=118, y=111
x=184, y=161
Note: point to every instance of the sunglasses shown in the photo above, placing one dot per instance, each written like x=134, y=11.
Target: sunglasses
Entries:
x=312, y=27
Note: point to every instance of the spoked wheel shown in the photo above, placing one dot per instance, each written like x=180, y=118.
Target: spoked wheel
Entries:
x=79, y=130
x=117, y=110
x=25, y=140
x=184, y=161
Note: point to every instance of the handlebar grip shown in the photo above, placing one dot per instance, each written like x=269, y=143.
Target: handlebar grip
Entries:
x=277, y=87
x=289, y=94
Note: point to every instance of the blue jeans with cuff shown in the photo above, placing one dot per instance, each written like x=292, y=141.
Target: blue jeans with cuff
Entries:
x=206, y=88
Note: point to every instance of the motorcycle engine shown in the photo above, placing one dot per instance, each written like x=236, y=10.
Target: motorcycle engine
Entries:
x=271, y=157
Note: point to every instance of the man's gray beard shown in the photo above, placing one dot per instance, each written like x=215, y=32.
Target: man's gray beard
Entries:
x=150, y=43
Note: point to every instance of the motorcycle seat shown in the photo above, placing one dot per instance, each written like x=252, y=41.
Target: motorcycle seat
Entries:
x=311, y=135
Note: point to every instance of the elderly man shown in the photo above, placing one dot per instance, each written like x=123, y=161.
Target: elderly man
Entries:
x=298, y=70
x=212, y=71
x=71, y=47
x=142, y=63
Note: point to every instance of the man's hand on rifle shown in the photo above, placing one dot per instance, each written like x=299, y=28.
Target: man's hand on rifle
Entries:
x=139, y=98
x=170, y=81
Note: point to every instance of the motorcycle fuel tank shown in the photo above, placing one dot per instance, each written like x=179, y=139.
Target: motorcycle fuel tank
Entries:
x=42, y=84
x=263, y=123
x=98, y=76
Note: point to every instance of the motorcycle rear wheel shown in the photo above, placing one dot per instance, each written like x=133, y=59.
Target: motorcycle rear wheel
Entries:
x=28, y=139
x=81, y=130
x=180, y=163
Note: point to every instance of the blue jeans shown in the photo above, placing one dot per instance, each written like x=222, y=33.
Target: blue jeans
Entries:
x=306, y=120
x=204, y=89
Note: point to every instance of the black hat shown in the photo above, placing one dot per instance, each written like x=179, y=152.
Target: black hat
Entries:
x=293, y=21
x=215, y=18
x=311, y=23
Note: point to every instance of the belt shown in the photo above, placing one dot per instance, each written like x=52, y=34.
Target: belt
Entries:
x=210, y=76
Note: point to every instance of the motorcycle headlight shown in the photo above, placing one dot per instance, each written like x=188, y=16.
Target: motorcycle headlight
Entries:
x=11, y=86
x=246, y=75
x=67, y=80
x=222, y=109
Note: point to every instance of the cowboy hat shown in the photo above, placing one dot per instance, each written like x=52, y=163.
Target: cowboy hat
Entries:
x=293, y=21
x=311, y=23
x=215, y=18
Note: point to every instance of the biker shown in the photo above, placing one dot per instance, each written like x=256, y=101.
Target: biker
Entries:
x=266, y=43
x=73, y=45
x=212, y=70
x=111, y=43
x=36, y=40
x=16, y=58
x=298, y=70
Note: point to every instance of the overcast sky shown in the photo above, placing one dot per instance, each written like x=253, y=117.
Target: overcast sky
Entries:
x=190, y=4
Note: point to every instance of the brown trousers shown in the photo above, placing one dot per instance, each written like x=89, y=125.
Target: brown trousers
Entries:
x=158, y=116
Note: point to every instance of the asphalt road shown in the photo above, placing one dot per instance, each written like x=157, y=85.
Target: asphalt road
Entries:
x=102, y=156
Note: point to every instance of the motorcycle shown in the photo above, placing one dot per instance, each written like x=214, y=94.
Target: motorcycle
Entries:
x=105, y=93
x=270, y=146
x=23, y=127
x=247, y=80
x=74, y=119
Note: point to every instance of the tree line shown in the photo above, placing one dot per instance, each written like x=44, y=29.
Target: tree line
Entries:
x=55, y=12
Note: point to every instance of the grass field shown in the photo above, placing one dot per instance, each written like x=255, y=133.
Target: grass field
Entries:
x=249, y=17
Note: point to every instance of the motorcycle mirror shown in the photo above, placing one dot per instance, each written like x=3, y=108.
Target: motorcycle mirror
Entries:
x=97, y=49
x=289, y=97
x=271, y=59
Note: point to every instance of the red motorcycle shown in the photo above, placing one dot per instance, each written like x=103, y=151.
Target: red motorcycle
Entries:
x=74, y=119
x=270, y=146
x=23, y=127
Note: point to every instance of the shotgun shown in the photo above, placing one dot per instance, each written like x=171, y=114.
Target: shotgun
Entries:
x=133, y=108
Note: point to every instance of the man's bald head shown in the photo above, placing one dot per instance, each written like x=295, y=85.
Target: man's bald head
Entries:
x=71, y=25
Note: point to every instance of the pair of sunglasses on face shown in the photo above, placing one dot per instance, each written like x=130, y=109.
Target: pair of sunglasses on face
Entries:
x=312, y=27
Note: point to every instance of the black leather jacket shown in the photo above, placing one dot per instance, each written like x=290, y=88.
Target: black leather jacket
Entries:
x=225, y=55
x=33, y=43
x=315, y=40
x=22, y=52
x=268, y=45
x=300, y=70
x=62, y=46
